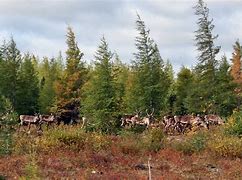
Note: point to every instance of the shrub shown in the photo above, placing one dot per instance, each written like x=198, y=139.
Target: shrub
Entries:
x=129, y=142
x=153, y=140
x=226, y=146
x=234, y=126
x=195, y=143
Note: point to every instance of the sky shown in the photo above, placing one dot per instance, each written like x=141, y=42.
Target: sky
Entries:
x=39, y=26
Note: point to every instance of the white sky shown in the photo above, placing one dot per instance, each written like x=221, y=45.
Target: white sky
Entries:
x=39, y=26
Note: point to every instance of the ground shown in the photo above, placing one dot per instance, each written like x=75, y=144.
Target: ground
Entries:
x=113, y=163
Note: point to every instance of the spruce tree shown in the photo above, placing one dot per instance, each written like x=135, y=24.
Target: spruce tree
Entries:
x=205, y=70
x=27, y=88
x=120, y=73
x=99, y=104
x=68, y=88
x=183, y=87
x=10, y=64
x=225, y=97
x=150, y=84
x=49, y=72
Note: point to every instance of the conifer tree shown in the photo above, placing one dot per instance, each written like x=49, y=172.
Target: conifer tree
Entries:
x=225, y=97
x=183, y=87
x=27, y=88
x=204, y=90
x=150, y=86
x=49, y=72
x=99, y=104
x=10, y=64
x=236, y=68
x=120, y=73
x=68, y=88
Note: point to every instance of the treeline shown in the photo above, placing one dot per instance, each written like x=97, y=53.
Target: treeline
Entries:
x=108, y=88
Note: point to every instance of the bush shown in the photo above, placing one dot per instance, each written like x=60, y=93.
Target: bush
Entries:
x=153, y=140
x=195, y=143
x=226, y=146
x=69, y=137
x=234, y=126
x=129, y=142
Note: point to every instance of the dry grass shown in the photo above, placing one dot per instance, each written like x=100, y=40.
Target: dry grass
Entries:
x=69, y=152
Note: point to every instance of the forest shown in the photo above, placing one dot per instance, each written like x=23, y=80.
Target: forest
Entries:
x=107, y=88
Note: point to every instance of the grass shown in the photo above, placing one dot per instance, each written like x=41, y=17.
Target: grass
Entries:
x=69, y=151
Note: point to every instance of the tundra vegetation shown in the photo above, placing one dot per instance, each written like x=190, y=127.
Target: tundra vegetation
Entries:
x=107, y=119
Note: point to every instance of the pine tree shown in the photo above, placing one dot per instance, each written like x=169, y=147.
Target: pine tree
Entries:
x=99, y=104
x=150, y=86
x=27, y=88
x=68, y=88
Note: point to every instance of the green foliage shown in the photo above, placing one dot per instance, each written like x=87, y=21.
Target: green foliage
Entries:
x=120, y=73
x=234, y=126
x=28, y=89
x=68, y=88
x=150, y=82
x=184, y=82
x=153, y=140
x=66, y=137
x=99, y=92
x=9, y=70
x=49, y=72
x=225, y=146
x=31, y=169
x=194, y=144
x=225, y=97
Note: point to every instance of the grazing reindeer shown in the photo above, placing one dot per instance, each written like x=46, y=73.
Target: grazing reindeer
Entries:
x=169, y=122
x=149, y=119
x=212, y=119
x=48, y=119
x=184, y=122
x=130, y=119
x=28, y=120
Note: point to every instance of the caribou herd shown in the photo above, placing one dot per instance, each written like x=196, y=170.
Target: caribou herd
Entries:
x=170, y=123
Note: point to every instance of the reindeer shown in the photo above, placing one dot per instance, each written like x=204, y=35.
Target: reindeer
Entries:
x=212, y=119
x=148, y=119
x=28, y=120
x=168, y=122
x=128, y=119
x=48, y=119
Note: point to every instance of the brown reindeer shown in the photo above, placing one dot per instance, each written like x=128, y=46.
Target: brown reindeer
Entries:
x=213, y=119
x=130, y=120
x=28, y=120
x=48, y=119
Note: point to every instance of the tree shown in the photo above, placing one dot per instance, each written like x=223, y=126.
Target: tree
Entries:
x=49, y=72
x=120, y=74
x=225, y=97
x=236, y=68
x=236, y=71
x=68, y=88
x=183, y=87
x=27, y=88
x=10, y=64
x=204, y=90
x=150, y=81
x=99, y=104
